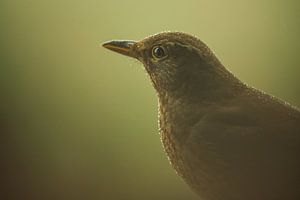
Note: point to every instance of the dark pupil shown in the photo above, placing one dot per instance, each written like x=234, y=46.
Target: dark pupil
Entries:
x=158, y=52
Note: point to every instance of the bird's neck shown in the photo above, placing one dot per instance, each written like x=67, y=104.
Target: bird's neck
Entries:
x=203, y=87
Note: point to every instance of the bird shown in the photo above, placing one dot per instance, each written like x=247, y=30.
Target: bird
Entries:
x=225, y=139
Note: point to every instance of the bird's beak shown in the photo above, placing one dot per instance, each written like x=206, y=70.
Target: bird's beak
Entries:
x=124, y=47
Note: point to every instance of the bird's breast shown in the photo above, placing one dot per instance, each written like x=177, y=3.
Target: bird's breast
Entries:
x=189, y=161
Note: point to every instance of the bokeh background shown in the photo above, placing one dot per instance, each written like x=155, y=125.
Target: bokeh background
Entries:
x=80, y=122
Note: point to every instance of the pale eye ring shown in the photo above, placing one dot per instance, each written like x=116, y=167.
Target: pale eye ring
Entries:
x=158, y=52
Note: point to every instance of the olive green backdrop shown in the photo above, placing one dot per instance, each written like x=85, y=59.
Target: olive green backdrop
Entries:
x=80, y=122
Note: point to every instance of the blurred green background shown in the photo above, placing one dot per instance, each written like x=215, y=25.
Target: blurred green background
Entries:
x=80, y=122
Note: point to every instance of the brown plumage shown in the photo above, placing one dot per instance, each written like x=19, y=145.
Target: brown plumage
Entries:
x=227, y=140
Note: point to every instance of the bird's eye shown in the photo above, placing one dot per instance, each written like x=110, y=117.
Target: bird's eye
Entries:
x=158, y=52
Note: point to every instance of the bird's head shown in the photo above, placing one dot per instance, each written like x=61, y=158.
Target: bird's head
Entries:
x=175, y=61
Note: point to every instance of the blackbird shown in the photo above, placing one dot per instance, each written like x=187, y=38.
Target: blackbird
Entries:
x=227, y=140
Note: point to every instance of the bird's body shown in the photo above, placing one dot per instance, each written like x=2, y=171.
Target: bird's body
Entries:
x=223, y=152
x=228, y=141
